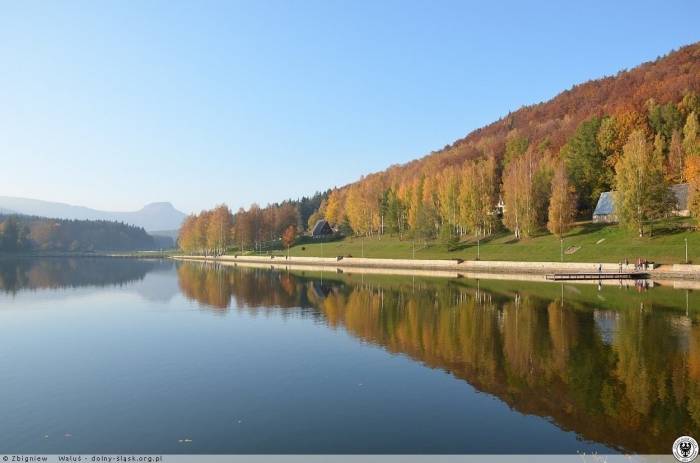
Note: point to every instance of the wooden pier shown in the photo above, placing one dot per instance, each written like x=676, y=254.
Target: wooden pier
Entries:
x=598, y=276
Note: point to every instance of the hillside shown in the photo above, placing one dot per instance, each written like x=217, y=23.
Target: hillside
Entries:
x=21, y=233
x=532, y=171
x=154, y=216
x=666, y=79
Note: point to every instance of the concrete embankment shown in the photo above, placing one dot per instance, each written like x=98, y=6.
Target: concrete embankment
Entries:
x=492, y=267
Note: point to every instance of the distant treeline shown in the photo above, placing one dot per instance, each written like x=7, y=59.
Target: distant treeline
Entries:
x=216, y=230
x=20, y=233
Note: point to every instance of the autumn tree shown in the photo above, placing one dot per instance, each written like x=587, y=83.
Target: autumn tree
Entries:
x=242, y=229
x=642, y=193
x=692, y=173
x=431, y=207
x=691, y=148
x=185, y=239
x=218, y=229
x=526, y=184
x=448, y=197
x=689, y=103
x=288, y=237
x=691, y=136
x=478, y=196
x=199, y=235
x=515, y=194
x=358, y=211
x=562, y=202
x=395, y=213
x=285, y=215
x=334, y=209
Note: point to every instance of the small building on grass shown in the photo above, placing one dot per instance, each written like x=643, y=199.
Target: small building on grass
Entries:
x=605, y=209
x=322, y=229
x=680, y=192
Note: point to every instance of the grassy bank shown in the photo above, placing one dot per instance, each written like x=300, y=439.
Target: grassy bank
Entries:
x=587, y=242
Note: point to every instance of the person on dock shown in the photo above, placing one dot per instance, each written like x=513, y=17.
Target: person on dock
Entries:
x=600, y=268
x=620, y=266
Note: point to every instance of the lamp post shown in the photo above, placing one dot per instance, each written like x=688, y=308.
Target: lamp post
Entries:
x=561, y=249
x=686, y=249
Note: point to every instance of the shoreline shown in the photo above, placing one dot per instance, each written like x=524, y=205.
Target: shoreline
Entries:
x=456, y=267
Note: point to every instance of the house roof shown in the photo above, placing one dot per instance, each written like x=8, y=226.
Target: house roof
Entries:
x=606, y=204
x=322, y=227
x=680, y=191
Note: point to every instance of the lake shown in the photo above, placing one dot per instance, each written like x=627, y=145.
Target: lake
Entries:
x=102, y=355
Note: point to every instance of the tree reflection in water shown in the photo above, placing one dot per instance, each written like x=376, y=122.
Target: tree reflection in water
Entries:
x=618, y=367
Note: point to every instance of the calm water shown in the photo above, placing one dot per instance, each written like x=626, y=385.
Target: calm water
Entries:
x=117, y=356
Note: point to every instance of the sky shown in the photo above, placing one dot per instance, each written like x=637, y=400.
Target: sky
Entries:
x=116, y=104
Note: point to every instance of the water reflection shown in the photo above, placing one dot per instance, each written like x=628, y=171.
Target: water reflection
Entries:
x=17, y=274
x=615, y=365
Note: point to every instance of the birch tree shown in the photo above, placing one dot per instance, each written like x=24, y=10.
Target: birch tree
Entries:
x=561, y=203
x=642, y=193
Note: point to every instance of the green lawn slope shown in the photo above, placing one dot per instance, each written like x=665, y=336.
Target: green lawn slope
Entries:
x=589, y=243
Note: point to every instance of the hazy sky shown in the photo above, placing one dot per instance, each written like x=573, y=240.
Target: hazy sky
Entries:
x=116, y=104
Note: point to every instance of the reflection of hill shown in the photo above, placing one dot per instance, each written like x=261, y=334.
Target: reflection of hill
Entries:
x=628, y=378
x=34, y=273
x=159, y=285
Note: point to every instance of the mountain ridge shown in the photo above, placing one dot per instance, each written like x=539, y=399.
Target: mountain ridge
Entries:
x=665, y=79
x=152, y=216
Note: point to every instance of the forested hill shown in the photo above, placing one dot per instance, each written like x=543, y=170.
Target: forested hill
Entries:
x=20, y=233
x=553, y=122
x=585, y=127
x=664, y=80
x=548, y=163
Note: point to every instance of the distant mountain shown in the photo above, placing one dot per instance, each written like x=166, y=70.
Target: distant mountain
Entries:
x=154, y=216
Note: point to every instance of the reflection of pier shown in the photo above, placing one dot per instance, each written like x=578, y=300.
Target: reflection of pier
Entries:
x=598, y=276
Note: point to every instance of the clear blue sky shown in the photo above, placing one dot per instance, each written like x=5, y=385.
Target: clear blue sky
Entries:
x=116, y=104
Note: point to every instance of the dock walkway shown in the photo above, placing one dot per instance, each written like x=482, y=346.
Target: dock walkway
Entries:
x=597, y=276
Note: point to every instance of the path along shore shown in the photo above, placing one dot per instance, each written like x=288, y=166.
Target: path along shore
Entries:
x=669, y=271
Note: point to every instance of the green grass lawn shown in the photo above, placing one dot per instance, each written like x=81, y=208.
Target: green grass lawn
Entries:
x=596, y=243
